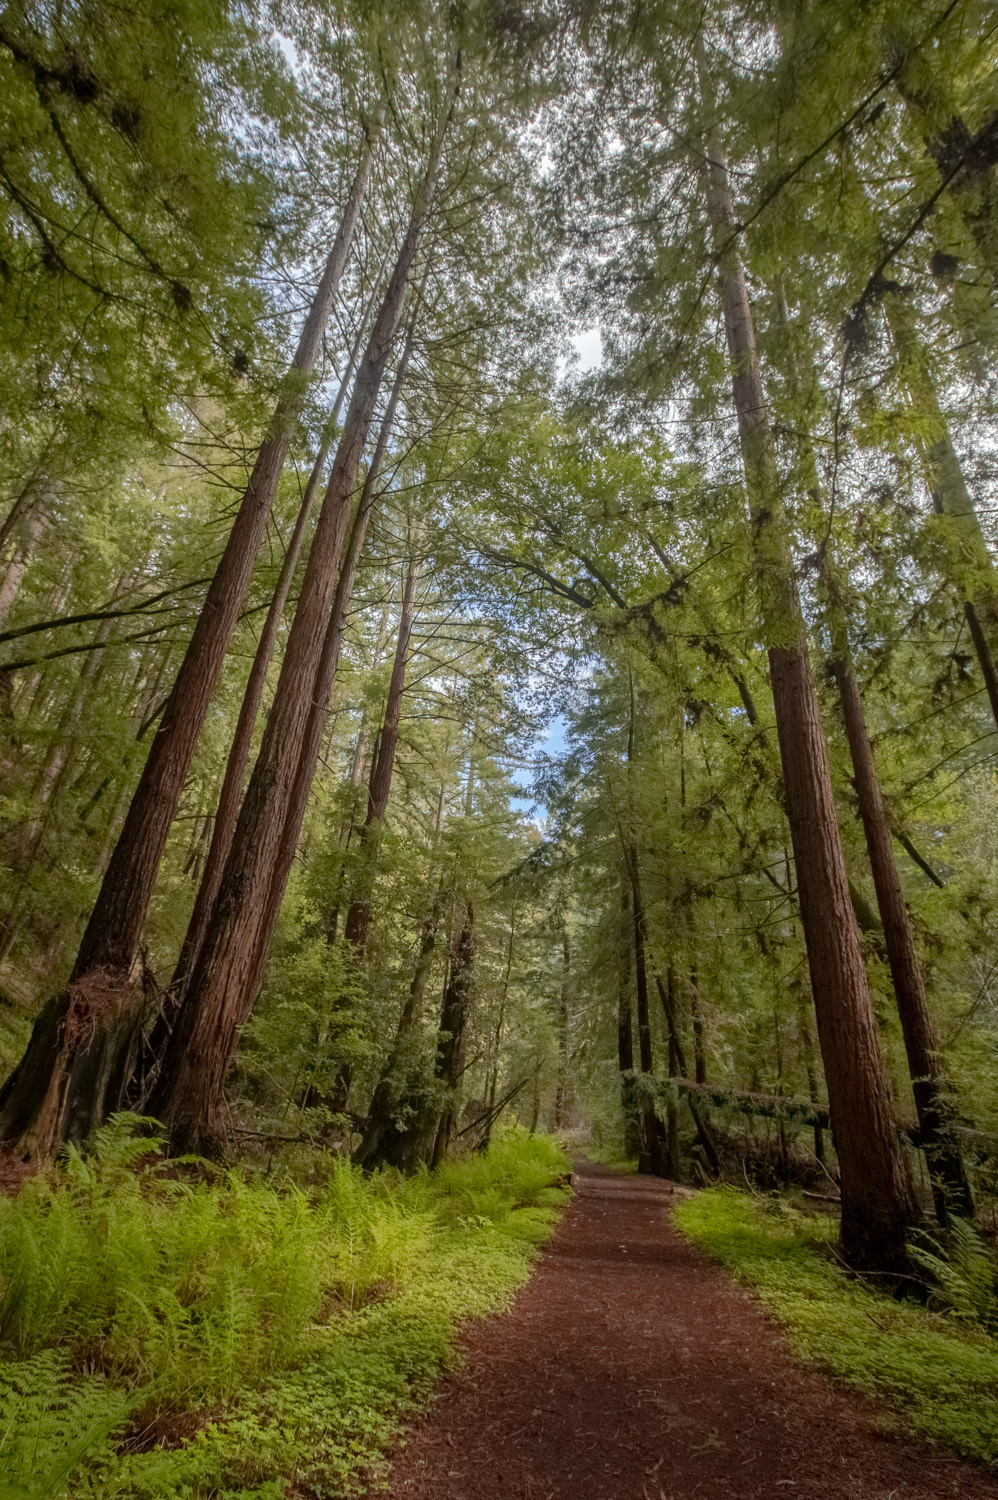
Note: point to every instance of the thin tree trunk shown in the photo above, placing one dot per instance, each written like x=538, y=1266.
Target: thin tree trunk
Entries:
x=375, y=1148
x=358, y=767
x=666, y=993
x=807, y=1053
x=563, y=1028
x=648, y=1155
x=699, y=1039
x=878, y=1205
x=946, y=1169
x=950, y=1187
x=497, y=1036
x=625, y=1028
x=670, y=1160
x=59, y=1090
x=382, y=767
x=449, y=1067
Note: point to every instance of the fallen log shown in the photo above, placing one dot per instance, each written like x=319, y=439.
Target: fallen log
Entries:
x=769, y=1106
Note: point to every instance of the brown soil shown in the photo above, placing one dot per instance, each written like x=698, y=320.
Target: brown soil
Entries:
x=631, y=1369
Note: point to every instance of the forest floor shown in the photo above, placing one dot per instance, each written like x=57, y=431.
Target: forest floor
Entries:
x=630, y=1368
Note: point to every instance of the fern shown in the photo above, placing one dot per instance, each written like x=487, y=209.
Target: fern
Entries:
x=195, y=1301
x=963, y=1273
x=52, y=1421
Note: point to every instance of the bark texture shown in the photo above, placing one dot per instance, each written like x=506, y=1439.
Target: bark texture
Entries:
x=950, y=1187
x=878, y=1205
x=223, y=984
x=382, y=767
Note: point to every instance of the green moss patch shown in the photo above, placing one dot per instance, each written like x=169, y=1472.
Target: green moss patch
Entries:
x=938, y=1378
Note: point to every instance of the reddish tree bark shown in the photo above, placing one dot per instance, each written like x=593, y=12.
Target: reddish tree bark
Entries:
x=382, y=767
x=950, y=1187
x=223, y=984
x=64, y=1084
x=230, y=797
x=878, y=1205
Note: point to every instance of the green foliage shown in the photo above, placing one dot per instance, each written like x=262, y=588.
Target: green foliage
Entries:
x=52, y=1418
x=174, y=1332
x=964, y=1273
x=938, y=1379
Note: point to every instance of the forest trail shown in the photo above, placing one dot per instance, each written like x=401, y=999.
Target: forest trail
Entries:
x=631, y=1369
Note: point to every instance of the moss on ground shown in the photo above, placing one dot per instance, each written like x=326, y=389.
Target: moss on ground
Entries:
x=938, y=1378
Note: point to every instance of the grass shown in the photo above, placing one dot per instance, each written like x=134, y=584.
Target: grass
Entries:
x=938, y=1378
x=165, y=1337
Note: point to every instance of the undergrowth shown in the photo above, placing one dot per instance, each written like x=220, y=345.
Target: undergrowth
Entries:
x=938, y=1376
x=171, y=1334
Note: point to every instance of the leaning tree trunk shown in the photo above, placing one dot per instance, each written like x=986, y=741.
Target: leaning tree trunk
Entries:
x=230, y=796
x=223, y=986
x=950, y=1188
x=377, y=1147
x=17, y=566
x=61, y=1088
x=878, y=1205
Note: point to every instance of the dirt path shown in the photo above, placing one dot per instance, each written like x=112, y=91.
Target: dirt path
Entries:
x=630, y=1369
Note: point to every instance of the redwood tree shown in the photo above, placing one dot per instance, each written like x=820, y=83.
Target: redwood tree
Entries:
x=72, y=1071
x=878, y=1205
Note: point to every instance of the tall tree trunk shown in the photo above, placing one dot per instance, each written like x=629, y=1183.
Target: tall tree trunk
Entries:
x=670, y=1155
x=358, y=767
x=878, y=1205
x=950, y=1187
x=230, y=796
x=625, y=1028
x=563, y=1029
x=946, y=1168
x=648, y=1153
x=222, y=987
x=667, y=995
x=59, y=1090
x=24, y=857
x=382, y=767
x=699, y=1039
x=376, y=1146
x=449, y=1067
x=807, y=1055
